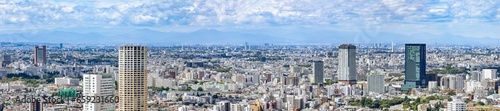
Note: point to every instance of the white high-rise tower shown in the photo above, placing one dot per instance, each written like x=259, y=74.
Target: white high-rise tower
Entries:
x=132, y=78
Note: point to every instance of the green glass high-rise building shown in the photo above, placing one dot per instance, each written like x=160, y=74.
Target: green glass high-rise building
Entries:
x=415, y=65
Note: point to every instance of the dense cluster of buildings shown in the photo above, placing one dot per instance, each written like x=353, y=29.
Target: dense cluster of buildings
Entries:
x=252, y=78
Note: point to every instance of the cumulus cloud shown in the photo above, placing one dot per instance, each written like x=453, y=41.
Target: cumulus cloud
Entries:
x=243, y=12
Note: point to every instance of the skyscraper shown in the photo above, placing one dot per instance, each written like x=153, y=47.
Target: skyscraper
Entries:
x=347, y=64
x=5, y=60
x=132, y=78
x=40, y=56
x=415, y=66
x=98, y=85
x=317, y=76
x=376, y=83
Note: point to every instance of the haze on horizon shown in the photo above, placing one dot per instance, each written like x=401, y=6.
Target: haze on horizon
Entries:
x=256, y=21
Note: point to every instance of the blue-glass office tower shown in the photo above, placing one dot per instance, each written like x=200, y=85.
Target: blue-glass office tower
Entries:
x=415, y=67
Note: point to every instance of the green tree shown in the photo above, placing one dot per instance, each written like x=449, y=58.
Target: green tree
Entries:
x=200, y=89
x=178, y=99
x=328, y=82
x=406, y=99
x=417, y=100
x=451, y=93
x=481, y=103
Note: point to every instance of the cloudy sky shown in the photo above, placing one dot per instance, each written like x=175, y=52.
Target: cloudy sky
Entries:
x=469, y=18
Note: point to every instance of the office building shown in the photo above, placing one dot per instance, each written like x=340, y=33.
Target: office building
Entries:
x=459, y=86
x=182, y=108
x=225, y=105
x=236, y=107
x=132, y=78
x=289, y=99
x=293, y=81
x=489, y=74
x=456, y=105
x=415, y=56
x=295, y=71
x=298, y=103
x=376, y=83
x=40, y=56
x=452, y=82
x=5, y=60
x=98, y=85
x=347, y=64
x=66, y=81
x=35, y=106
x=317, y=76
x=476, y=76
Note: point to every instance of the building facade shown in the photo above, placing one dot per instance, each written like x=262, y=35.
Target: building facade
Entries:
x=489, y=74
x=5, y=60
x=40, y=56
x=132, y=78
x=66, y=81
x=415, y=64
x=98, y=85
x=317, y=76
x=376, y=83
x=347, y=64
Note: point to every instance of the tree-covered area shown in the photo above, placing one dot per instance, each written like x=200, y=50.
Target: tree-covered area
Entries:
x=329, y=81
x=447, y=70
x=5, y=80
x=386, y=103
x=379, y=104
x=224, y=69
x=31, y=82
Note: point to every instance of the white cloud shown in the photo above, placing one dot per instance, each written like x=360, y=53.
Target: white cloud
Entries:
x=144, y=19
x=239, y=12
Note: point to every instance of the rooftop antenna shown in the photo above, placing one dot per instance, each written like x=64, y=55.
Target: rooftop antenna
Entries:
x=392, y=46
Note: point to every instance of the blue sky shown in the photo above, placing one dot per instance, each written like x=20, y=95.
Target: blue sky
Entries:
x=468, y=18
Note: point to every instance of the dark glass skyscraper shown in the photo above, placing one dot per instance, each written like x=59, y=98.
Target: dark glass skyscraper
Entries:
x=415, y=66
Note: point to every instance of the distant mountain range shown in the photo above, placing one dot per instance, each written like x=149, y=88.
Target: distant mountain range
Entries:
x=210, y=36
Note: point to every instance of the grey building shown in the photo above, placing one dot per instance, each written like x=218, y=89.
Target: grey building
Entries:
x=5, y=60
x=347, y=64
x=317, y=76
x=376, y=83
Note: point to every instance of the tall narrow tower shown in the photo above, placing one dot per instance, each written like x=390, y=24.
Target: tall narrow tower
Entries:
x=317, y=76
x=132, y=78
x=40, y=56
x=415, y=65
x=347, y=64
